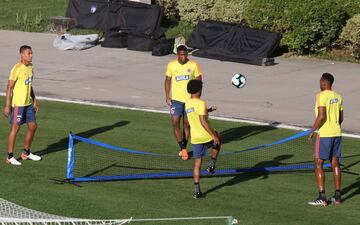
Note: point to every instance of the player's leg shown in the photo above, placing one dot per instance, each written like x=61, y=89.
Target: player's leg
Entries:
x=321, y=152
x=199, y=151
x=214, y=154
x=15, y=121
x=30, y=133
x=196, y=177
x=336, y=199
x=176, y=112
x=185, y=137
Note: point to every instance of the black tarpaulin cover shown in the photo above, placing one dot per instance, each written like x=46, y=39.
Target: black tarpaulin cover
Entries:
x=134, y=17
x=89, y=14
x=236, y=43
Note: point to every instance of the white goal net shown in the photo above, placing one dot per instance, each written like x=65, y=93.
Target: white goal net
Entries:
x=13, y=214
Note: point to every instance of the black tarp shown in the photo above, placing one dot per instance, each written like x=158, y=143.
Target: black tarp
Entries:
x=134, y=17
x=229, y=42
x=140, y=22
x=89, y=14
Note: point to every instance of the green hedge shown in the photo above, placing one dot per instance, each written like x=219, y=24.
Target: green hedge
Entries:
x=307, y=26
x=169, y=6
x=350, y=35
x=193, y=11
x=230, y=11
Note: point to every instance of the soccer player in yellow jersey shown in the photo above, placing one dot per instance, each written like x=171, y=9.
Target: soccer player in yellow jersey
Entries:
x=202, y=134
x=19, y=106
x=178, y=74
x=329, y=116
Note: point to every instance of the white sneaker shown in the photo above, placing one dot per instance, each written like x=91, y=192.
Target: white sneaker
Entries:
x=30, y=157
x=12, y=161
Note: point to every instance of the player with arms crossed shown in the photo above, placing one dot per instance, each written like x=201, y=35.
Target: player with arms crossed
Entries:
x=329, y=116
x=18, y=105
x=202, y=134
x=178, y=74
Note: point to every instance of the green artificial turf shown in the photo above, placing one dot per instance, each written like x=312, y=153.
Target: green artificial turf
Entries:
x=252, y=198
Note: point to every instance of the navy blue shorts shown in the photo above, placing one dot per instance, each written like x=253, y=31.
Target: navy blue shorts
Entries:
x=327, y=147
x=200, y=150
x=22, y=114
x=177, y=108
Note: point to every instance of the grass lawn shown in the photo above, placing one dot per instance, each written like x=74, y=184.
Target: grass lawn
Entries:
x=252, y=198
x=29, y=15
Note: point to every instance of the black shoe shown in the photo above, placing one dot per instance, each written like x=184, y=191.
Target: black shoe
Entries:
x=319, y=202
x=211, y=169
x=336, y=199
x=198, y=195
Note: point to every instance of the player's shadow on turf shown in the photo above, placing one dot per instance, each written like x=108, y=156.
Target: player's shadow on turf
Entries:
x=240, y=133
x=258, y=173
x=354, y=188
x=63, y=143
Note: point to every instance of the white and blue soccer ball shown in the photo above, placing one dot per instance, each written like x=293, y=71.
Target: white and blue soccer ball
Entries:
x=238, y=80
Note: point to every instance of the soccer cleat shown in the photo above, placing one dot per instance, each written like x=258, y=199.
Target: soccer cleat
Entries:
x=12, y=161
x=184, y=154
x=210, y=169
x=198, y=195
x=318, y=202
x=30, y=157
x=336, y=199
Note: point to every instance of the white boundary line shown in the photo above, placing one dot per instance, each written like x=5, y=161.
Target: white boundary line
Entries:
x=280, y=125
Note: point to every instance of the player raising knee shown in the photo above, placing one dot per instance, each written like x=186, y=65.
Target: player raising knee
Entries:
x=202, y=134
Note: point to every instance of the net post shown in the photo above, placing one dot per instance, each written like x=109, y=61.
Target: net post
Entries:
x=70, y=163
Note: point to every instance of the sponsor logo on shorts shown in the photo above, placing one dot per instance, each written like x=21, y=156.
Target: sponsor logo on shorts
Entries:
x=182, y=77
x=172, y=110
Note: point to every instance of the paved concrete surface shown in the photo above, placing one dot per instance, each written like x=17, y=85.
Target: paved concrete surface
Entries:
x=283, y=93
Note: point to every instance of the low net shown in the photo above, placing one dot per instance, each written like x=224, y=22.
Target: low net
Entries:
x=90, y=160
x=13, y=214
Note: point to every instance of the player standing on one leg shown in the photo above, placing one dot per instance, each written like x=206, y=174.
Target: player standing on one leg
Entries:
x=18, y=93
x=329, y=116
x=178, y=74
x=202, y=134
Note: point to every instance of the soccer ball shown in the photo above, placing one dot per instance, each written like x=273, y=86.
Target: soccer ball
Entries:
x=238, y=80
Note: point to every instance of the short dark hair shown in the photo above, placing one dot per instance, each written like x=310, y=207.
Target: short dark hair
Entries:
x=181, y=48
x=24, y=47
x=328, y=77
x=194, y=86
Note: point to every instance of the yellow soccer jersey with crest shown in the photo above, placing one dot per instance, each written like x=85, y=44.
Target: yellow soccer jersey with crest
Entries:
x=195, y=108
x=332, y=101
x=180, y=77
x=22, y=76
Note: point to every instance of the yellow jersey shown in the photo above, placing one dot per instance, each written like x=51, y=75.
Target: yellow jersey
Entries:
x=180, y=77
x=332, y=102
x=195, y=108
x=22, y=75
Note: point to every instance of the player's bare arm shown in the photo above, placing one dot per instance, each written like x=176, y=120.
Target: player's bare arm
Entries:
x=208, y=128
x=35, y=105
x=318, y=122
x=341, y=116
x=9, y=90
x=167, y=90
